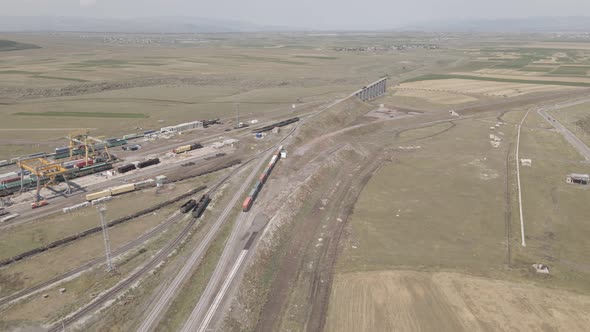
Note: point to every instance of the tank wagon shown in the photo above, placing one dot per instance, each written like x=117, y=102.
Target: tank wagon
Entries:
x=201, y=206
x=186, y=148
x=126, y=168
x=261, y=180
x=189, y=205
x=148, y=162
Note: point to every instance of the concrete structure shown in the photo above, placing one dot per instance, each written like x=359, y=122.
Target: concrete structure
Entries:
x=541, y=268
x=182, y=127
x=526, y=162
x=577, y=178
x=160, y=180
x=373, y=91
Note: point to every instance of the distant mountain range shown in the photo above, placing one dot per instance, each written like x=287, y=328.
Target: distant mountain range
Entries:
x=534, y=24
x=205, y=25
x=133, y=25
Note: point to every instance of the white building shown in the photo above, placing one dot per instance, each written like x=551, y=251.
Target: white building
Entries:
x=182, y=127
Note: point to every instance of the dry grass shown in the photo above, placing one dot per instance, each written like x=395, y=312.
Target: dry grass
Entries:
x=419, y=301
x=437, y=97
x=485, y=88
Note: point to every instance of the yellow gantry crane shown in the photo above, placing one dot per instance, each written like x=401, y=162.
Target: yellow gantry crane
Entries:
x=83, y=139
x=43, y=169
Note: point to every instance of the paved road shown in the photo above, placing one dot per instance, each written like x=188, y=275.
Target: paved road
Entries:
x=569, y=136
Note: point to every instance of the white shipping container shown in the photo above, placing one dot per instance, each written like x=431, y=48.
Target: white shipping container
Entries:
x=9, y=217
x=145, y=184
x=100, y=200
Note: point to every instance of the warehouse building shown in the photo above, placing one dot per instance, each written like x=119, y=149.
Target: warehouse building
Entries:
x=182, y=127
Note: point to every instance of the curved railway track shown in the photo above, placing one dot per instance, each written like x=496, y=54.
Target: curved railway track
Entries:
x=127, y=247
x=163, y=253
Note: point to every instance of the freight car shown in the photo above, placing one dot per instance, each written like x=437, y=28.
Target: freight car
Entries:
x=66, y=154
x=278, y=124
x=98, y=194
x=9, y=180
x=126, y=188
x=186, y=148
x=116, y=142
x=148, y=162
x=126, y=168
x=261, y=180
x=201, y=206
x=96, y=168
x=132, y=136
x=82, y=164
x=186, y=207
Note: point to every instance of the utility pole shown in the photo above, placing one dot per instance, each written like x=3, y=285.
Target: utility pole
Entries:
x=107, y=247
x=238, y=115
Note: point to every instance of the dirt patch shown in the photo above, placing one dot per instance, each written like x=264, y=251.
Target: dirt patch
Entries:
x=420, y=301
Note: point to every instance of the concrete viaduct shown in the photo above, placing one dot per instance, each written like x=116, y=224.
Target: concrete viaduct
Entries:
x=372, y=91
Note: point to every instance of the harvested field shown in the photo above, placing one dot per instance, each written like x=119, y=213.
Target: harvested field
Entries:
x=520, y=78
x=437, y=97
x=485, y=88
x=421, y=301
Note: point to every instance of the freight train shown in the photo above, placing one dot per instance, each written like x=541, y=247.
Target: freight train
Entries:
x=261, y=180
x=30, y=182
x=186, y=148
x=64, y=152
x=278, y=124
x=197, y=207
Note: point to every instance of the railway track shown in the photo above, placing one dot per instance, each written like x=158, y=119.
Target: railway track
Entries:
x=162, y=254
x=97, y=261
x=111, y=293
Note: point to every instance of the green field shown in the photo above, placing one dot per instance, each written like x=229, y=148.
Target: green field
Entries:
x=571, y=70
x=87, y=115
x=9, y=45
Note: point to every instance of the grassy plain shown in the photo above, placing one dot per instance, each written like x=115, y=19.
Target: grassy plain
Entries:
x=422, y=301
x=72, y=83
x=576, y=119
x=435, y=238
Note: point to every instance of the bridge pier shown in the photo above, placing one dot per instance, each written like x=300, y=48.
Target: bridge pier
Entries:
x=373, y=90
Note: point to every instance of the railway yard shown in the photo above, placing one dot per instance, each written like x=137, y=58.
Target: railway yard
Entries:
x=271, y=182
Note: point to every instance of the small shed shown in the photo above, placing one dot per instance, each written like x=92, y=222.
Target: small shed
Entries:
x=577, y=178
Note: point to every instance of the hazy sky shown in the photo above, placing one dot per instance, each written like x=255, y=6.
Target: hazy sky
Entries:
x=303, y=13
